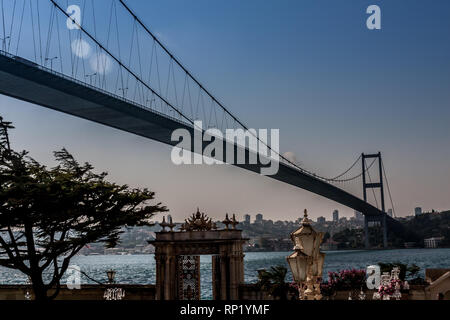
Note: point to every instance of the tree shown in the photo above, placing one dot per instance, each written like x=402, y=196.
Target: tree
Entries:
x=47, y=215
x=273, y=282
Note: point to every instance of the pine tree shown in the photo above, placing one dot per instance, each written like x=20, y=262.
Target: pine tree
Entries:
x=47, y=215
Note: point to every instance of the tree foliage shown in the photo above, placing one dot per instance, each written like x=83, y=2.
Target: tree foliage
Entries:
x=47, y=215
x=273, y=282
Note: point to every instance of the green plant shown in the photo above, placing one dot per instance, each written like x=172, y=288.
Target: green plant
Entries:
x=47, y=215
x=273, y=282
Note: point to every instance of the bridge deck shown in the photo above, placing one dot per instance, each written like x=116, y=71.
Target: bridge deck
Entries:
x=31, y=83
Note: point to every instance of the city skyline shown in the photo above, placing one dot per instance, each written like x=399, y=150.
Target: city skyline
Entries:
x=338, y=91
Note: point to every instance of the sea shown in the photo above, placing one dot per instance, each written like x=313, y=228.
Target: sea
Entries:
x=140, y=269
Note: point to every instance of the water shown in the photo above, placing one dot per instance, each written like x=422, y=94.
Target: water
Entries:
x=140, y=269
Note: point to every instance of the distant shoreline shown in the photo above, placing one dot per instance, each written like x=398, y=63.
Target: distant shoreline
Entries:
x=269, y=251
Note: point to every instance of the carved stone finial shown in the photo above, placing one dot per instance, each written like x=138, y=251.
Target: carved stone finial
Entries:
x=305, y=220
x=171, y=225
x=198, y=222
x=234, y=222
x=163, y=224
x=226, y=222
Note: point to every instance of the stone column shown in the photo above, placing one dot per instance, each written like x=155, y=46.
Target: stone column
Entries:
x=160, y=274
x=171, y=278
x=166, y=274
x=231, y=270
x=216, y=277
x=237, y=270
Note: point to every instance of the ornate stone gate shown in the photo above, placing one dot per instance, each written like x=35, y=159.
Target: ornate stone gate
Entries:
x=178, y=262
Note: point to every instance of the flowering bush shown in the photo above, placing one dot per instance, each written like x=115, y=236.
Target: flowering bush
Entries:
x=351, y=279
x=347, y=279
x=327, y=289
x=391, y=290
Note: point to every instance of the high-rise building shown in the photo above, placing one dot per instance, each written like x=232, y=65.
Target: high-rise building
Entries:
x=335, y=216
x=418, y=211
x=390, y=213
x=321, y=220
x=259, y=218
x=359, y=216
x=247, y=219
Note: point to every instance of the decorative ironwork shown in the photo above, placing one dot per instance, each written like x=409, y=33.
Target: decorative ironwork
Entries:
x=188, y=269
x=114, y=294
x=198, y=222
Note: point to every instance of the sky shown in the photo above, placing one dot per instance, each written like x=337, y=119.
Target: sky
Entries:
x=309, y=68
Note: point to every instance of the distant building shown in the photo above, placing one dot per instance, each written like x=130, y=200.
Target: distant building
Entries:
x=247, y=219
x=390, y=213
x=259, y=218
x=433, y=242
x=418, y=211
x=335, y=216
x=321, y=220
x=359, y=216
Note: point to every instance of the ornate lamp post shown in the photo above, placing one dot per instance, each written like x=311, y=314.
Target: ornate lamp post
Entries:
x=111, y=276
x=113, y=293
x=306, y=262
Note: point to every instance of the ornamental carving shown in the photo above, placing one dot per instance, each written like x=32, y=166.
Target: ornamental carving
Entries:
x=198, y=222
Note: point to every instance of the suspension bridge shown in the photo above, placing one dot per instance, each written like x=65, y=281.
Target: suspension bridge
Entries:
x=99, y=61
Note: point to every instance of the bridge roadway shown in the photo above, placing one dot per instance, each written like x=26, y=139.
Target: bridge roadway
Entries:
x=32, y=83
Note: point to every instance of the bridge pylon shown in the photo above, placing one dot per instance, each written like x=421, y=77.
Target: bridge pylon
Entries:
x=374, y=185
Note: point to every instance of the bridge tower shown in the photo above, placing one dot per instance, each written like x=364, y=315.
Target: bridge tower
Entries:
x=374, y=185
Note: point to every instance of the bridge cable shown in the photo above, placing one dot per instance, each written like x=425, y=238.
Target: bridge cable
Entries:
x=226, y=111
x=39, y=31
x=32, y=26
x=119, y=62
x=373, y=191
x=354, y=177
x=4, y=27
x=351, y=167
x=59, y=44
x=389, y=190
x=12, y=23
x=201, y=87
x=20, y=28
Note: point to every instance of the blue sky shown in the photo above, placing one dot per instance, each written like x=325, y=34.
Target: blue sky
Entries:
x=312, y=69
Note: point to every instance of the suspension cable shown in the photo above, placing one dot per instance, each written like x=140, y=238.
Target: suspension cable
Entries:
x=215, y=100
x=201, y=88
x=346, y=171
x=373, y=191
x=389, y=190
x=119, y=62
